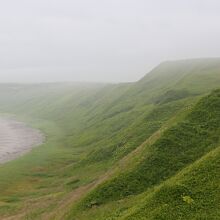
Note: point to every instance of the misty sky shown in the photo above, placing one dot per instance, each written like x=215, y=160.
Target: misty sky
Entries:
x=102, y=40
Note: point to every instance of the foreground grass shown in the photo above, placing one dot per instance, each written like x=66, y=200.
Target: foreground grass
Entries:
x=191, y=194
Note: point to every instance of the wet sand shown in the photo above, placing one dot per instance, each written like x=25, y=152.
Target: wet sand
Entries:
x=16, y=139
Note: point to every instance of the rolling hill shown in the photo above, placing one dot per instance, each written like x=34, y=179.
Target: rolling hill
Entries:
x=142, y=150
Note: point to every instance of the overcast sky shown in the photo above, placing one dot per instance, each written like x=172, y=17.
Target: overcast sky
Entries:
x=102, y=40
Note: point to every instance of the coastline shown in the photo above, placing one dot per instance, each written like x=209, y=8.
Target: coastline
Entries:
x=17, y=139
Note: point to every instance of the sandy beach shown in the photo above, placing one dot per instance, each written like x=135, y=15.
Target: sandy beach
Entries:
x=16, y=139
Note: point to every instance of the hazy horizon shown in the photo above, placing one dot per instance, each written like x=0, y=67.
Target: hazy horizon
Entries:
x=102, y=41
x=87, y=82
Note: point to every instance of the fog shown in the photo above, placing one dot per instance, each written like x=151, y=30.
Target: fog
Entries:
x=100, y=40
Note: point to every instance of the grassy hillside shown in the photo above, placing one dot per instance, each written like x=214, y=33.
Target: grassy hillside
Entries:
x=91, y=129
x=179, y=146
x=179, y=184
x=191, y=194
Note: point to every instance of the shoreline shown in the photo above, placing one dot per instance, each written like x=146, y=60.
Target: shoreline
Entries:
x=17, y=139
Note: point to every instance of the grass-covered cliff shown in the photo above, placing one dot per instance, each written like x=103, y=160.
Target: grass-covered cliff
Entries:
x=137, y=150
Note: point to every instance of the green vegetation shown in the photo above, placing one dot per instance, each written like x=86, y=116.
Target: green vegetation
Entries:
x=192, y=194
x=139, y=150
x=179, y=146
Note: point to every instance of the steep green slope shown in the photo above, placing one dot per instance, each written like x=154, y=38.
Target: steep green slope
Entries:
x=166, y=83
x=191, y=194
x=179, y=146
